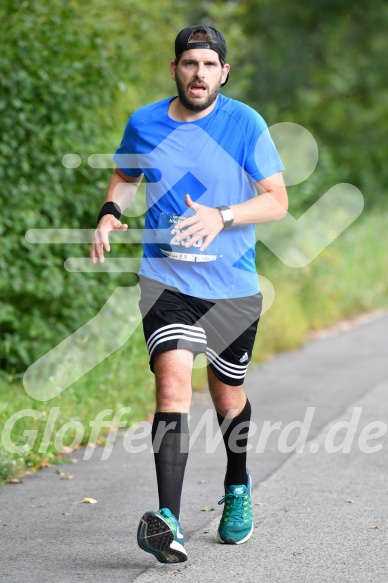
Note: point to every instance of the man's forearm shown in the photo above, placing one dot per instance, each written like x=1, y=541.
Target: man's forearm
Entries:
x=122, y=190
x=261, y=209
x=270, y=205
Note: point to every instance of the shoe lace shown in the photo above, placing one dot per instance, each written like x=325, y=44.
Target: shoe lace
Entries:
x=236, y=506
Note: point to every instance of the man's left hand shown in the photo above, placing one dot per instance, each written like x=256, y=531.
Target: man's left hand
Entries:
x=205, y=224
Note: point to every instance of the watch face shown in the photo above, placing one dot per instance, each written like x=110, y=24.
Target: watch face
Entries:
x=227, y=216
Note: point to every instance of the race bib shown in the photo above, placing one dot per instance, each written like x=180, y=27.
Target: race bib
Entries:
x=170, y=247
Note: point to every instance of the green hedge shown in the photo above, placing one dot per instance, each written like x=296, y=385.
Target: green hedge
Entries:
x=56, y=75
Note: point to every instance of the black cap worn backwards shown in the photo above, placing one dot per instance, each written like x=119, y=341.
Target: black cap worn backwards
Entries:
x=217, y=42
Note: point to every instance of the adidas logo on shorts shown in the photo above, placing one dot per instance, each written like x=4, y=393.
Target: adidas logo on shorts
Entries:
x=244, y=357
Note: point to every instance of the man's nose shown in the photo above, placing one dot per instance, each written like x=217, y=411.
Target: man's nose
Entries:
x=201, y=70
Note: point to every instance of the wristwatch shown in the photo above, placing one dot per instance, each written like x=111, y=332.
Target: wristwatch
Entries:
x=227, y=215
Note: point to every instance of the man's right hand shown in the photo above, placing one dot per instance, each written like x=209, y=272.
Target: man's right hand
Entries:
x=100, y=243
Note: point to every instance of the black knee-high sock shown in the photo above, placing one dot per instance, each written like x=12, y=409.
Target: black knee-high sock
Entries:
x=170, y=440
x=236, y=472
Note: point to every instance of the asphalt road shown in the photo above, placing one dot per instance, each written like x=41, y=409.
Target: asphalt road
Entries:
x=321, y=514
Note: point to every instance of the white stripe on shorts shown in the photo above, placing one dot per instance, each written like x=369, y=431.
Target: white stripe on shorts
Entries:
x=234, y=371
x=174, y=332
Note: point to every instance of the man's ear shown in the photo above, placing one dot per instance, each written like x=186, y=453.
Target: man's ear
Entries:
x=225, y=72
x=173, y=69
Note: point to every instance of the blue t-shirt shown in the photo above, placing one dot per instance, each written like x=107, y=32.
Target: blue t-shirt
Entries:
x=216, y=160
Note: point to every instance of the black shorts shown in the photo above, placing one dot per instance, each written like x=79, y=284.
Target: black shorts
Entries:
x=224, y=330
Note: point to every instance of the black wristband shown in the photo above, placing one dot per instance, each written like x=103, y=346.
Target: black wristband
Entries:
x=109, y=208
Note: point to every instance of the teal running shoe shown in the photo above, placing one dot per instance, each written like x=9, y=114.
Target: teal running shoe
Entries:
x=236, y=524
x=160, y=534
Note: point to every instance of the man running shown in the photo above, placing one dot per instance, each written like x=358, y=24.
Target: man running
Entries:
x=212, y=174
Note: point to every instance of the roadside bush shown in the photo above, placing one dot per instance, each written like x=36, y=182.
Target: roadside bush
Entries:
x=55, y=77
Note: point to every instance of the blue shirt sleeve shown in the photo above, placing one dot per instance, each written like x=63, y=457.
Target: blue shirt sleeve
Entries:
x=126, y=154
x=262, y=158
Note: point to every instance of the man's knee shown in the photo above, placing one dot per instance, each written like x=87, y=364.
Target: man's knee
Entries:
x=228, y=400
x=173, y=380
x=173, y=398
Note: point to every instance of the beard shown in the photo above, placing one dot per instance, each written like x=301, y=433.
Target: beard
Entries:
x=194, y=104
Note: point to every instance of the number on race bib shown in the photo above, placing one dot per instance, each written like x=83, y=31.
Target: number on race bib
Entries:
x=174, y=241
